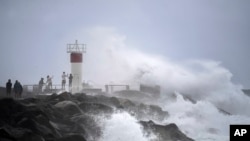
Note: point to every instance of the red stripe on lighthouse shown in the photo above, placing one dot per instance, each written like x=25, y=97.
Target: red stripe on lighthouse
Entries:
x=76, y=57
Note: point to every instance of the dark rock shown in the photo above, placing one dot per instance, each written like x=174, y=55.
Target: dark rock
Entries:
x=145, y=112
x=45, y=130
x=31, y=137
x=95, y=108
x=30, y=101
x=24, y=120
x=89, y=126
x=10, y=108
x=73, y=117
x=4, y=135
x=19, y=134
x=157, y=113
x=168, y=132
x=80, y=97
x=73, y=137
x=54, y=98
x=64, y=96
x=135, y=95
x=68, y=107
x=109, y=101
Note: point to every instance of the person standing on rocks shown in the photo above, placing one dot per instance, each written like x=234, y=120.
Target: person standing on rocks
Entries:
x=49, y=82
x=18, y=89
x=70, y=80
x=40, y=85
x=8, y=87
x=63, y=80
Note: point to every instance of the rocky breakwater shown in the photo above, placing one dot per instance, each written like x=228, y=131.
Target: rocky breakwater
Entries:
x=67, y=117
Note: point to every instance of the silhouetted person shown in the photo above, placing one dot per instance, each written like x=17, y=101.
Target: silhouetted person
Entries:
x=18, y=89
x=40, y=85
x=63, y=80
x=49, y=82
x=8, y=87
x=70, y=80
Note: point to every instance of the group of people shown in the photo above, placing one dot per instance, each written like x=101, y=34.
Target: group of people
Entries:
x=48, y=83
x=18, y=89
x=64, y=76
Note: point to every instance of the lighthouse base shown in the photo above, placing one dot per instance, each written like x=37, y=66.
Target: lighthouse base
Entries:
x=76, y=71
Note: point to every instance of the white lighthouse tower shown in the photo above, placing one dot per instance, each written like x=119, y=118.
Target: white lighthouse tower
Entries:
x=76, y=55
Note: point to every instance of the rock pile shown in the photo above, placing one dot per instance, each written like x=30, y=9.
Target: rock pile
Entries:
x=67, y=117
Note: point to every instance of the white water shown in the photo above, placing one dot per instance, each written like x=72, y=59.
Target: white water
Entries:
x=202, y=121
x=122, y=127
x=206, y=81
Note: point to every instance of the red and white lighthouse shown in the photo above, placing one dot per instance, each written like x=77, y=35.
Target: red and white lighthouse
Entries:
x=76, y=56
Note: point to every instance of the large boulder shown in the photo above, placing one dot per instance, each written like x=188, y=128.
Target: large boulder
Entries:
x=95, y=108
x=54, y=98
x=168, y=132
x=10, y=109
x=68, y=107
x=87, y=125
x=143, y=111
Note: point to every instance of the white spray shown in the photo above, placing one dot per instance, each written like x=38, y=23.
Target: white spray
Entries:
x=205, y=81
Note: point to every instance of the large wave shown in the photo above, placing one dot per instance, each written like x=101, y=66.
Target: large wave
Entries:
x=110, y=59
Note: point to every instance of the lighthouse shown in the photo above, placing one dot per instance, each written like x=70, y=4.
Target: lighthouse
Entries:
x=76, y=56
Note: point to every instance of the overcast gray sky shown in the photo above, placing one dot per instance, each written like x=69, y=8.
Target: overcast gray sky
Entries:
x=34, y=33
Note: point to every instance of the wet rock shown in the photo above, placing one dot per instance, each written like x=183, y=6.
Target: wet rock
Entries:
x=168, y=132
x=5, y=136
x=72, y=137
x=144, y=112
x=80, y=97
x=73, y=117
x=90, y=127
x=109, y=101
x=52, y=97
x=135, y=95
x=19, y=134
x=10, y=108
x=68, y=107
x=95, y=108
x=55, y=98
x=30, y=101
x=31, y=137
x=64, y=96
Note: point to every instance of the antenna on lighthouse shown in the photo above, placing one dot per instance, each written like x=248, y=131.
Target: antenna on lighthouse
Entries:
x=76, y=56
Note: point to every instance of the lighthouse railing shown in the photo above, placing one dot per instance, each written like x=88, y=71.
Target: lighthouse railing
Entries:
x=73, y=48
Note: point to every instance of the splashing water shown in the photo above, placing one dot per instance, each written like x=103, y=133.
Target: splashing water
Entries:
x=122, y=127
x=205, y=81
x=202, y=121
